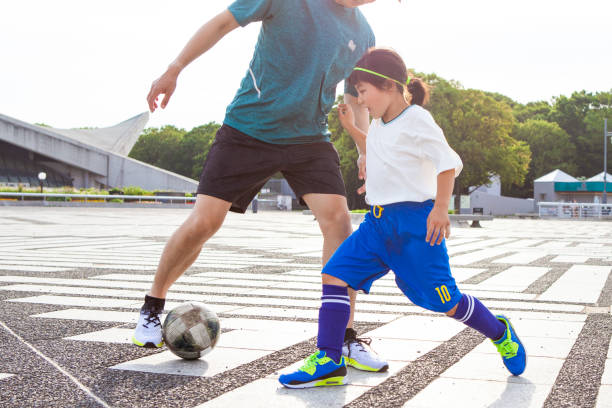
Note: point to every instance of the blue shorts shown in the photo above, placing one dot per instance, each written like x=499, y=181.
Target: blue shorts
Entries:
x=396, y=241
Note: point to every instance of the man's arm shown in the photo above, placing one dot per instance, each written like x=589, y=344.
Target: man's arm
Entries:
x=204, y=39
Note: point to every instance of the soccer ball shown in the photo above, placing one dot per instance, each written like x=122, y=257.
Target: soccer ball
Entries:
x=191, y=330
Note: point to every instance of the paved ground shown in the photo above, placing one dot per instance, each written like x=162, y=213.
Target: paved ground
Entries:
x=72, y=279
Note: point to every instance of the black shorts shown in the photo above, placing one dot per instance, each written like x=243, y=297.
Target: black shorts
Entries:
x=238, y=166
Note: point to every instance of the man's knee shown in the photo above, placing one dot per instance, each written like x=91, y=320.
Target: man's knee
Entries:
x=335, y=221
x=203, y=228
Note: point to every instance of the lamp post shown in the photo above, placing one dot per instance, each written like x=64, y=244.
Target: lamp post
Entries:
x=42, y=176
x=606, y=135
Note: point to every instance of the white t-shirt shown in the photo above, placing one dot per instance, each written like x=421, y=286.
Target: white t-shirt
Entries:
x=405, y=156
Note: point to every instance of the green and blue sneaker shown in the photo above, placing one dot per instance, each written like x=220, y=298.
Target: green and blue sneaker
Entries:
x=318, y=371
x=511, y=349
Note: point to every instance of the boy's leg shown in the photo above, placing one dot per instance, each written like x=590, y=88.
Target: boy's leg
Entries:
x=181, y=250
x=327, y=366
x=474, y=314
x=331, y=211
x=333, y=317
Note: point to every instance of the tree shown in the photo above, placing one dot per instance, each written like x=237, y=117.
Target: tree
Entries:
x=592, y=141
x=159, y=147
x=581, y=116
x=195, y=147
x=533, y=110
x=551, y=149
x=478, y=128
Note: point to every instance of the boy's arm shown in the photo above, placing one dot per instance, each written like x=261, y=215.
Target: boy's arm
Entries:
x=359, y=128
x=354, y=118
x=438, y=222
x=207, y=36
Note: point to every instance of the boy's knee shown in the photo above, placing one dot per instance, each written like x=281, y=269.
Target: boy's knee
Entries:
x=452, y=312
x=332, y=280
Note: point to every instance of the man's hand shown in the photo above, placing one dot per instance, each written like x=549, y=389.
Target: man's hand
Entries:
x=361, y=165
x=165, y=84
x=438, y=226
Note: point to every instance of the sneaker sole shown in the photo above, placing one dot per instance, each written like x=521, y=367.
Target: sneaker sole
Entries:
x=147, y=344
x=352, y=363
x=328, y=382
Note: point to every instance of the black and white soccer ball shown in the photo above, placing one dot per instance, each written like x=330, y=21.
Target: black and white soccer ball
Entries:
x=191, y=330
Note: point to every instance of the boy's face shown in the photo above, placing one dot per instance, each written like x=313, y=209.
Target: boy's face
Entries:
x=376, y=100
x=353, y=3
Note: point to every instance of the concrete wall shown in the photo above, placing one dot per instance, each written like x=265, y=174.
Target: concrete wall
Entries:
x=500, y=205
x=88, y=165
x=544, y=191
x=46, y=143
x=124, y=171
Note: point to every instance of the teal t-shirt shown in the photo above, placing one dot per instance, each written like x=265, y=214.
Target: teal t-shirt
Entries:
x=305, y=48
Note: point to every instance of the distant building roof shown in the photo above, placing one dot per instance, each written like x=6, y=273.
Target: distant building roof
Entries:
x=556, y=176
x=599, y=177
x=118, y=139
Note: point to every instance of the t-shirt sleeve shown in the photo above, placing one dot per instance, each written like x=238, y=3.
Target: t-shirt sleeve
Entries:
x=248, y=11
x=434, y=146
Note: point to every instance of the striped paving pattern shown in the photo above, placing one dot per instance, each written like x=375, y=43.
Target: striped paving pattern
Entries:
x=82, y=275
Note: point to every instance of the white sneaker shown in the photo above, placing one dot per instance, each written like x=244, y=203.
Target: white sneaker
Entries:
x=148, y=331
x=361, y=357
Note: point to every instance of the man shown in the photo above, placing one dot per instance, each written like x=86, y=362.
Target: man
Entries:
x=276, y=122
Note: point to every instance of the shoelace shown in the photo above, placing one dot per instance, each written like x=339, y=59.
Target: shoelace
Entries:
x=310, y=364
x=360, y=341
x=152, y=317
x=507, y=348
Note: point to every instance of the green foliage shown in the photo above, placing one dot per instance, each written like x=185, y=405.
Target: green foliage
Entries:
x=175, y=149
x=533, y=110
x=551, y=149
x=478, y=127
x=136, y=191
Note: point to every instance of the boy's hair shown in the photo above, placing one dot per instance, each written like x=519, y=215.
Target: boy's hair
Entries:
x=388, y=62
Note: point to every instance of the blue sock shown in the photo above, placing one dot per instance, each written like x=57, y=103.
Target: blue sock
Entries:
x=333, y=318
x=476, y=315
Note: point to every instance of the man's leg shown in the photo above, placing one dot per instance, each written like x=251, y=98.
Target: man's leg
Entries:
x=182, y=249
x=331, y=211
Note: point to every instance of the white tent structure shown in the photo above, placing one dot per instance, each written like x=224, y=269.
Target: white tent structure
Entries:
x=556, y=176
x=600, y=177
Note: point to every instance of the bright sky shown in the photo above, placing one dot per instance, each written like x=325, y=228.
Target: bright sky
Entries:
x=72, y=63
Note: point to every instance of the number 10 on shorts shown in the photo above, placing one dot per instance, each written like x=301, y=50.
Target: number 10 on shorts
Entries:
x=443, y=293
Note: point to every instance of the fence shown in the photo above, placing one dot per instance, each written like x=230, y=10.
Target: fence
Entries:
x=98, y=197
x=575, y=210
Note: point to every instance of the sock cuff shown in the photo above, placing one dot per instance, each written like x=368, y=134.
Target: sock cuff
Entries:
x=465, y=308
x=153, y=303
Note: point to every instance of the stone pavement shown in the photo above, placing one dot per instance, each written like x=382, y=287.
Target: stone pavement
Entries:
x=72, y=281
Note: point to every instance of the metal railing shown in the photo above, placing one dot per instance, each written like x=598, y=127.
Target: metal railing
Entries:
x=100, y=197
x=575, y=210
